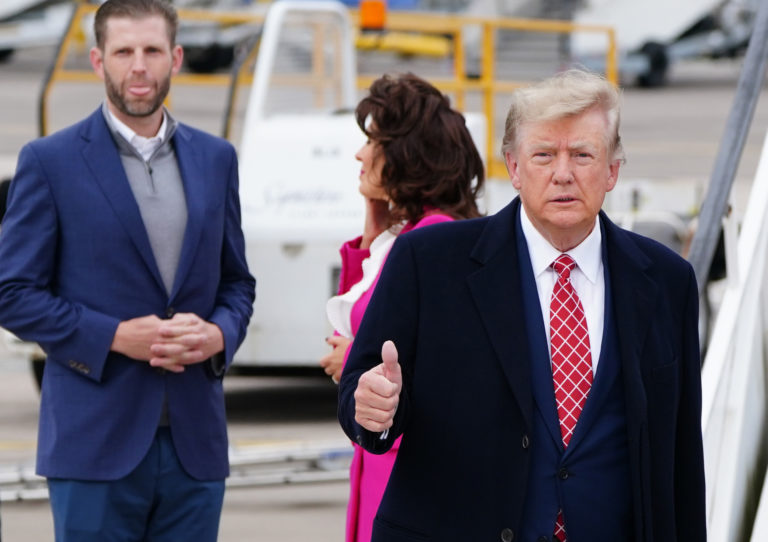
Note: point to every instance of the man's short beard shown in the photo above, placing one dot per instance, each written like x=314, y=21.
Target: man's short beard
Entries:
x=136, y=108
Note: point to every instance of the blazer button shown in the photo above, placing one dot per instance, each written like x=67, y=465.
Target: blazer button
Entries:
x=526, y=442
x=169, y=312
x=544, y=539
x=563, y=474
x=507, y=535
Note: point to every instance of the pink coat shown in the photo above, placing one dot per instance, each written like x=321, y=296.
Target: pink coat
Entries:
x=368, y=473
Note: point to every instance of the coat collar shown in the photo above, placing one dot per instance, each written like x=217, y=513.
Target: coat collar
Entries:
x=195, y=182
x=497, y=292
x=634, y=298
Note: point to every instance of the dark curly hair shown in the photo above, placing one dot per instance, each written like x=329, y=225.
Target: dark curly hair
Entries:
x=430, y=159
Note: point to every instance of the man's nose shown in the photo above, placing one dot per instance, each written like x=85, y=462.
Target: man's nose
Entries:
x=563, y=172
x=139, y=62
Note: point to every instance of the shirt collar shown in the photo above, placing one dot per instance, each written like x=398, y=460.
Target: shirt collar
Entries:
x=129, y=135
x=587, y=254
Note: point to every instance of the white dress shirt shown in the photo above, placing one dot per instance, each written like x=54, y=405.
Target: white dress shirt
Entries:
x=145, y=146
x=587, y=279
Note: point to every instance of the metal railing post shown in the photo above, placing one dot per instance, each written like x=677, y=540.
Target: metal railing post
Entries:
x=736, y=128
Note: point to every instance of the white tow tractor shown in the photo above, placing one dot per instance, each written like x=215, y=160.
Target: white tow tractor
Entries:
x=298, y=183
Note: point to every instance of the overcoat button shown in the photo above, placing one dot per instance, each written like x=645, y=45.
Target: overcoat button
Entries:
x=507, y=535
x=526, y=442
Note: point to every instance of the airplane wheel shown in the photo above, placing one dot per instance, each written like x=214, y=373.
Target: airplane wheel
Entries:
x=208, y=59
x=658, y=64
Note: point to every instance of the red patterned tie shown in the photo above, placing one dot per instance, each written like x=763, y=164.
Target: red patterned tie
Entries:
x=571, y=356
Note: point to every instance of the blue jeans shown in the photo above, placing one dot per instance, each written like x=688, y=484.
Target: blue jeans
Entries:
x=157, y=502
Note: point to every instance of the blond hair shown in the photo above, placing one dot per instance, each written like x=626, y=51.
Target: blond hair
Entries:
x=565, y=94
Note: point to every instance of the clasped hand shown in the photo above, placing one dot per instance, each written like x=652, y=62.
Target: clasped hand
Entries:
x=170, y=344
x=378, y=392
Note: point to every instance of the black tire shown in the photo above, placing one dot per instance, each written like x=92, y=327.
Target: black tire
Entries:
x=5, y=54
x=658, y=65
x=209, y=59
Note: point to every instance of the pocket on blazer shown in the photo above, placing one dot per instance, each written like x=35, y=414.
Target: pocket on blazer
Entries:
x=384, y=530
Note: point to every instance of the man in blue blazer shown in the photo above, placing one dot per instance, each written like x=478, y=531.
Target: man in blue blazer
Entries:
x=123, y=257
x=470, y=371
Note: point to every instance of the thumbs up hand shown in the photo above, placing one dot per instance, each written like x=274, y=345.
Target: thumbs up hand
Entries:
x=378, y=392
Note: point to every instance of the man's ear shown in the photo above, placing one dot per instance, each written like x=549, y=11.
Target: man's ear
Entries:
x=177, y=54
x=613, y=175
x=511, y=162
x=97, y=61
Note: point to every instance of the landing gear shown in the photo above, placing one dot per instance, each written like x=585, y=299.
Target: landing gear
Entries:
x=658, y=65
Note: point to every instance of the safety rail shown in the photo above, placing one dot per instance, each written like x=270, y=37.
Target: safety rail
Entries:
x=734, y=378
x=250, y=466
x=460, y=84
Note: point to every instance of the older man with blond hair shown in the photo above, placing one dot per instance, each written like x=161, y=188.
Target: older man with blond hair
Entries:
x=542, y=364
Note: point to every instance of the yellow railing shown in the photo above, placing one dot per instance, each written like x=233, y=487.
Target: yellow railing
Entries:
x=73, y=37
x=488, y=85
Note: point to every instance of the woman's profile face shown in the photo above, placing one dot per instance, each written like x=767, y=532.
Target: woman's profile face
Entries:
x=370, y=171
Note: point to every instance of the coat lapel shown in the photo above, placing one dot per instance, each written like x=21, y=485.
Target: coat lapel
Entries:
x=496, y=289
x=194, y=181
x=541, y=366
x=634, y=294
x=102, y=158
x=630, y=297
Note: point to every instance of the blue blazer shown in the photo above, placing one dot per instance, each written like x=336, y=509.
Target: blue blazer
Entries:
x=76, y=260
x=451, y=298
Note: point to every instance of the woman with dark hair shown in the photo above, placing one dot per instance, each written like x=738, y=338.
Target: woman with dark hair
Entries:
x=419, y=167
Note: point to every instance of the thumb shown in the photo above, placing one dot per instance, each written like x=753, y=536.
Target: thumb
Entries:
x=391, y=366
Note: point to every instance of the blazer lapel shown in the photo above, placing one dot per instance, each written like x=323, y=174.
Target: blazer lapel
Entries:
x=194, y=182
x=102, y=158
x=496, y=289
